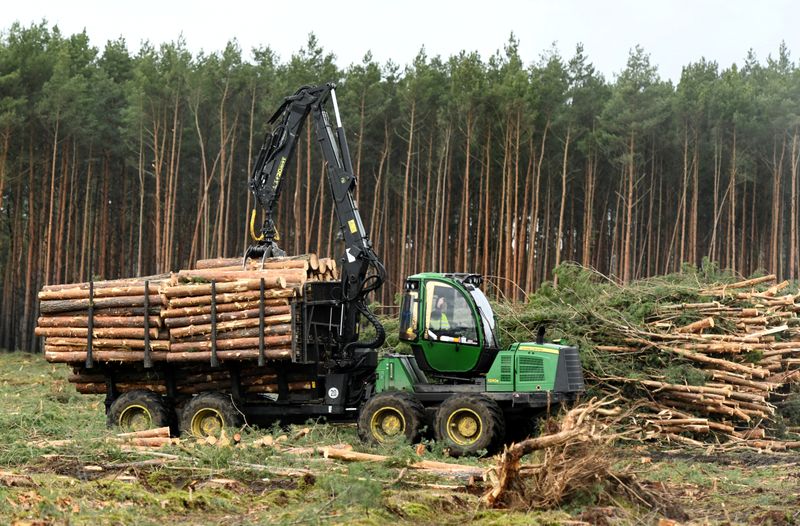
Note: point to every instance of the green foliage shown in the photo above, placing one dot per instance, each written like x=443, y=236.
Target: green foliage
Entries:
x=684, y=373
x=588, y=309
x=358, y=488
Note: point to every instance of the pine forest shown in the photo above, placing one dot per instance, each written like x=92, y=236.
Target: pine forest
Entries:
x=117, y=163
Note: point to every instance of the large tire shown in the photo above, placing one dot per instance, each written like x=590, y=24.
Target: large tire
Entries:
x=208, y=414
x=137, y=411
x=391, y=415
x=469, y=424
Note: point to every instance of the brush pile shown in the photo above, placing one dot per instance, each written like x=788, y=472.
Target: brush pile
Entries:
x=699, y=354
x=573, y=457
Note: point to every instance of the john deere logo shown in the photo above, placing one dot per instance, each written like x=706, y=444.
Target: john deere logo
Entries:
x=333, y=393
x=279, y=173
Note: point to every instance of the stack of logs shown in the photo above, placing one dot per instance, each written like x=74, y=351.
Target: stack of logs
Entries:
x=218, y=308
x=745, y=345
x=194, y=378
x=118, y=312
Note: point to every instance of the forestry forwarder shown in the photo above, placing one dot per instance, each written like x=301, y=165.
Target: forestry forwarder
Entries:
x=459, y=382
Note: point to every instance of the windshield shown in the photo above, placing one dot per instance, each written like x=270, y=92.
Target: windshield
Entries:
x=487, y=317
x=448, y=315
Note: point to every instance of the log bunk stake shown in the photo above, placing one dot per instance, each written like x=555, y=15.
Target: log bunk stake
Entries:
x=261, y=358
x=90, y=332
x=214, y=359
x=148, y=359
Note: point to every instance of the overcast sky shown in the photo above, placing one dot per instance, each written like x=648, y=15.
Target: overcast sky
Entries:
x=673, y=32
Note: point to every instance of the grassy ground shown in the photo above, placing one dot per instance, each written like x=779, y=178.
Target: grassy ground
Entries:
x=92, y=481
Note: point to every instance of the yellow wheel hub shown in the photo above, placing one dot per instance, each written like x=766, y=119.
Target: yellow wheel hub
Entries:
x=464, y=426
x=207, y=422
x=387, y=422
x=135, y=418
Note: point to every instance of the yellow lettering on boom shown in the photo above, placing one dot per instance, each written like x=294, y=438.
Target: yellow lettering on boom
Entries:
x=279, y=173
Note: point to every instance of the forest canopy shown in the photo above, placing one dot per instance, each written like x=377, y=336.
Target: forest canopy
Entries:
x=116, y=163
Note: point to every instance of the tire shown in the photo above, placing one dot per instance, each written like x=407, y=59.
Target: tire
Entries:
x=137, y=411
x=469, y=424
x=208, y=414
x=391, y=415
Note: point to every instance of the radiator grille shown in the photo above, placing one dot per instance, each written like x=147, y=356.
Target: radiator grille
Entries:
x=505, y=369
x=531, y=369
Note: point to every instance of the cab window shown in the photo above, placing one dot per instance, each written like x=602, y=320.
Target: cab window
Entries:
x=448, y=316
x=408, y=315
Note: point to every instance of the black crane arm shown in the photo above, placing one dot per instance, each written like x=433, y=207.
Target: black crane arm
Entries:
x=362, y=271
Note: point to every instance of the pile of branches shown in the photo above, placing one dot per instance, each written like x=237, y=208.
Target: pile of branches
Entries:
x=700, y=354
x=574, y=458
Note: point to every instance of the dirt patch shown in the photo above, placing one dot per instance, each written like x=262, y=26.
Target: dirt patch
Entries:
x=70, y=467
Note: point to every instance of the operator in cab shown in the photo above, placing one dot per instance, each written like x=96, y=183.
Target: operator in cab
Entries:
x=439, y=320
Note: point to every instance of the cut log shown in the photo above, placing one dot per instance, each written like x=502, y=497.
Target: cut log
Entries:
x=691, y=405
x=80, y=293
x=304, y=261
x=249, y=332
x=697, y=326
x=223, y=326
x=692, y=306
x=123, y=312
x=732, y=378
x=101, y=356
x=159, y=432
x=290, y=276
x=112, y=332
x=685, y=429
x=99, y=321
x=768, y=332
x=721, y=364
x=227, y=316
x=240, y=285
x=156, y=442
x=728, y=393
x=250, y=295
x=47, y=307
x=184, y=312
x=123, y=282
x=720, y=291
x=244, y=354
x=236, y=343
x=118, y=343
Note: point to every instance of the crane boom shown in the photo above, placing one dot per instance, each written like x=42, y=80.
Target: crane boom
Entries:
x=362, y=270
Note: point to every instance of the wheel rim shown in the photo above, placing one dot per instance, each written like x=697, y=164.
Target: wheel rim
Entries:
x=207, y=422
x=135, y=418
x=464, y=426
x=386, y=423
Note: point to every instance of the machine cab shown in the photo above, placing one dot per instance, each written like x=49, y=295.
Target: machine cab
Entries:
x=449, y=323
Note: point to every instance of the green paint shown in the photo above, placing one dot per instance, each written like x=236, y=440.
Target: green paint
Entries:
x=443, y=349
x=524, y=367
x=500, y=377
x=392, y=373
x=535, y=370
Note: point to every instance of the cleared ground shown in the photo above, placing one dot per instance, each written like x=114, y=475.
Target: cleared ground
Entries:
x=91, y=480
